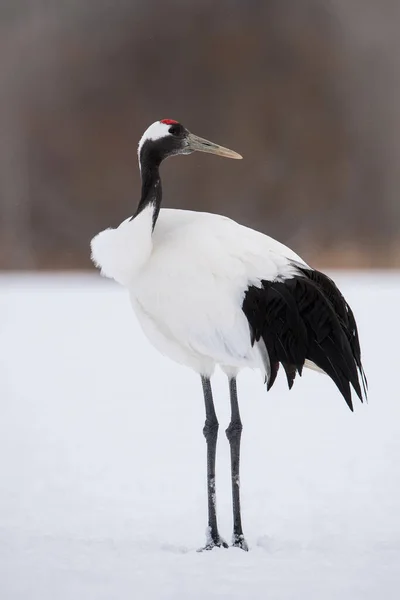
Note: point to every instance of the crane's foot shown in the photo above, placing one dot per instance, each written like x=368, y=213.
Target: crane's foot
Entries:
x=220, y=543
x=213, y=541
x=238, y=541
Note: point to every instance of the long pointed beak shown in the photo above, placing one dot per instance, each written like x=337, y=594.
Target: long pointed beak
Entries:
x=202, y=145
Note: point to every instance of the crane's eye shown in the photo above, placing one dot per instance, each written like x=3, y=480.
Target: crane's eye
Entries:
x=175, y=130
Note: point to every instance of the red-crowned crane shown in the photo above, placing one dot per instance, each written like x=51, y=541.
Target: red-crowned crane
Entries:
x=208, y=291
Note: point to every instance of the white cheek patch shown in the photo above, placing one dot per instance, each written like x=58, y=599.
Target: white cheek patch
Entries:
x=156, y=131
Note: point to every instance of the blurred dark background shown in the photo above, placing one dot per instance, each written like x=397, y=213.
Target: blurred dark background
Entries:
x=307, y=90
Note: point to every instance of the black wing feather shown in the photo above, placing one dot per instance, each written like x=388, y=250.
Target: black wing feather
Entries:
x=306, y=317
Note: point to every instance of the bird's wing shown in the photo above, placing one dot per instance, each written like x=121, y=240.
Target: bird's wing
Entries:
x=195, y=281
x=217, y=272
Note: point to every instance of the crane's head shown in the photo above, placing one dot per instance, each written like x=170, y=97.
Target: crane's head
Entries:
x=167, y=138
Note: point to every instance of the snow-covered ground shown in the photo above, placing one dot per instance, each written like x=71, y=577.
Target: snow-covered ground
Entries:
x=102, y=460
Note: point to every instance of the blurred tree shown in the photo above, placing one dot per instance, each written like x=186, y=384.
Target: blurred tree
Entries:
x=307, y=91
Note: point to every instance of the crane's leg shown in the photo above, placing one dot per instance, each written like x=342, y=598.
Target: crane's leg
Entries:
x=210, y=432
x=234, y=433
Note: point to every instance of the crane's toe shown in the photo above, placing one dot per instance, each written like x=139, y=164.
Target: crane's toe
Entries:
x=214, y=540
x=238, y=541
x=219, y=543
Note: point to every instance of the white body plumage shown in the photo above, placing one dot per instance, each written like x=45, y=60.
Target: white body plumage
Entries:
x=187, y=281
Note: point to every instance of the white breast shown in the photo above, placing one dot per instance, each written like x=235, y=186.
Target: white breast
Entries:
x=122, y=252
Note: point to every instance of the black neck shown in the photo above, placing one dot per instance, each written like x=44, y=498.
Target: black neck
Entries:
x=151, y=188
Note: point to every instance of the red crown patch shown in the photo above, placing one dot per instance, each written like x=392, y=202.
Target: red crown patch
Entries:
x=169, y=122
